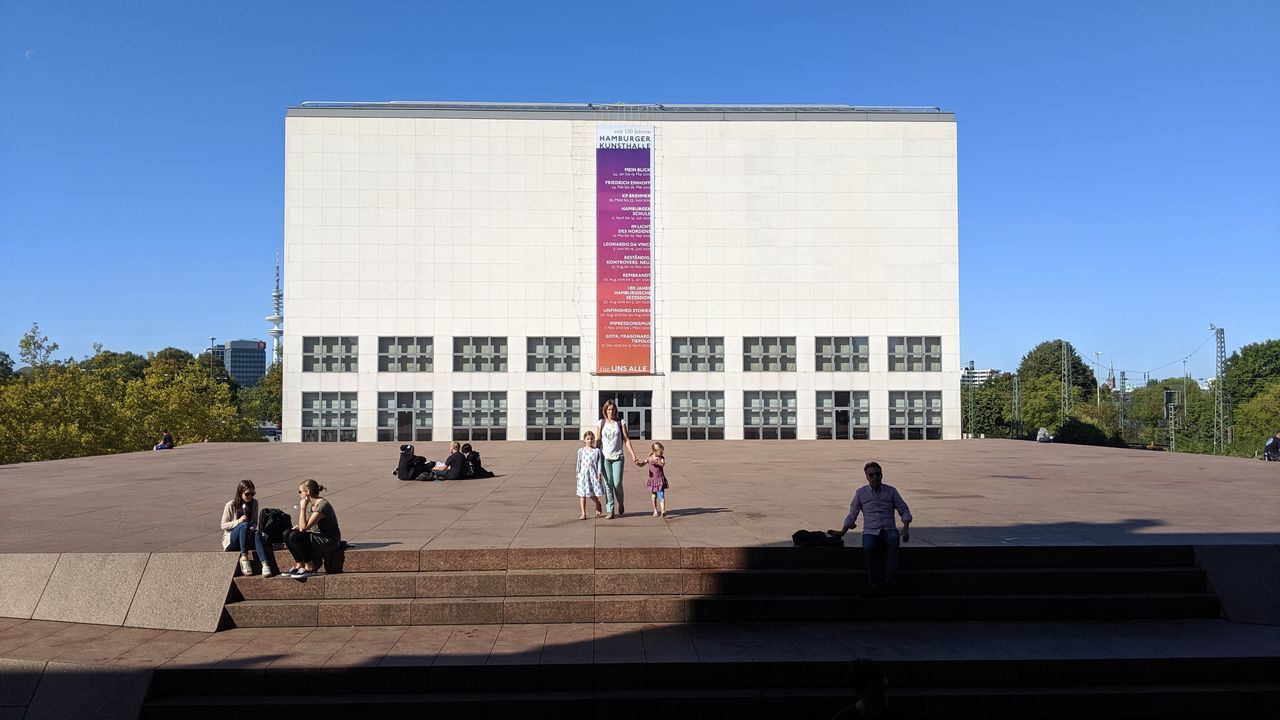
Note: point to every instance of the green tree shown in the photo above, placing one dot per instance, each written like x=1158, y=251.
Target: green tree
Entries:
x=1194, y=421
x=1042, y=403
x=1102, y=418
x=211, y=364
x=132, y=365
x=263, y=401
x=1046, y=359
x=1257, y=420
x=35, y=349
x=992, y=407
x=188, y=404
x=61, y=411
x=6, y=367
x=171, y=358
x=1251, y=369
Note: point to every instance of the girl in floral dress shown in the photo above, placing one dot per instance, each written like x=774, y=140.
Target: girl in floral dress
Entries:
x=589, y=485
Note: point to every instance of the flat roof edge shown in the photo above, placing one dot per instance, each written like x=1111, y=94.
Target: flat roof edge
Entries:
x=620, y=113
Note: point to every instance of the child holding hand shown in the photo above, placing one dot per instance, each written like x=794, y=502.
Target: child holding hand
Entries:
x=657, y=482
x=589, y=483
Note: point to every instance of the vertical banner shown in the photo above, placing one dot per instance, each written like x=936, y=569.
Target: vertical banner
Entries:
x=624, y=250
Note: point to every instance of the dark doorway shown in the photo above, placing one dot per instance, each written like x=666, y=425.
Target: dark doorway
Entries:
x=636, y=409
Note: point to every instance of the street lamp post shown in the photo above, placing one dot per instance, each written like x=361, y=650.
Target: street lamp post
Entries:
x=1097, y=370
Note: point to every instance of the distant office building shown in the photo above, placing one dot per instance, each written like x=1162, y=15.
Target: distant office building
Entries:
x=245, y=360
x=971, y=376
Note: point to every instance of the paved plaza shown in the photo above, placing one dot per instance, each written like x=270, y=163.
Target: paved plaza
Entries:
x=725, y=493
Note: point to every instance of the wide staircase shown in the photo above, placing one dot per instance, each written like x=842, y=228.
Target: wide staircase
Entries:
x=733, y=586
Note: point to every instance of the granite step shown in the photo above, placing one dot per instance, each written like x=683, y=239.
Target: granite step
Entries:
x=1132, y=687
x=358, y=559
x=515, y=583
x=485, y=676
x=1140, y=702
x=716, y=608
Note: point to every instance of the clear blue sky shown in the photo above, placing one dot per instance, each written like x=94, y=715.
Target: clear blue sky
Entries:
x=1119, y=161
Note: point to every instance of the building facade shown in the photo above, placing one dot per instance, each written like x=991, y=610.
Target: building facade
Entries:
x=977, y=376
x=486, y=271
x=245, y=360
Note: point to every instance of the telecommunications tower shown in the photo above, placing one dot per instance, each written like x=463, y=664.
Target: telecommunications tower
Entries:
x=277, y=315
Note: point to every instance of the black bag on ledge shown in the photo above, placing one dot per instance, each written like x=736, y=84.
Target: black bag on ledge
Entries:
x=272, y=523
x=814, y=538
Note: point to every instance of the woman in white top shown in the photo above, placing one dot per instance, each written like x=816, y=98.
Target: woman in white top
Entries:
x=240, y=529
x=613, y=438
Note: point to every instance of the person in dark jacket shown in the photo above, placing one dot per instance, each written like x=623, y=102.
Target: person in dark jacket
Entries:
x=454, y=466
x=412, y=467
x=1271, y=451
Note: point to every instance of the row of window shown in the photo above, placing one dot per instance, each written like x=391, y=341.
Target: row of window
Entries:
x=564, y=354
x=695, y=415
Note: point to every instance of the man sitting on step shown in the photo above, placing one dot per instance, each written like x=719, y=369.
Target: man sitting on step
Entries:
x=880, y=537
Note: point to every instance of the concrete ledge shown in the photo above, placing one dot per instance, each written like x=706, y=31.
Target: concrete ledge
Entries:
x=1246, y=579
x=23, y=577
x=92, y=588
x=163, y=591
x=66, y=690
x=182, y=591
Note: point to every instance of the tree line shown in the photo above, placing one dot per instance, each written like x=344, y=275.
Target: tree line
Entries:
x=1099, y=415
x=114, y=402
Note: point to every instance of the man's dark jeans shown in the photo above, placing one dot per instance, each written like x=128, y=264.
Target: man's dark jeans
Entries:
x=880, y=553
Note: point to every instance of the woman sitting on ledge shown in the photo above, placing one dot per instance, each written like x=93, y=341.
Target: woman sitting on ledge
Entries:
x=240, y=529
x=316, y=534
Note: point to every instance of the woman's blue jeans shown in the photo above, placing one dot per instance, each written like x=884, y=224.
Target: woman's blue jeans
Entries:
x=240, y=541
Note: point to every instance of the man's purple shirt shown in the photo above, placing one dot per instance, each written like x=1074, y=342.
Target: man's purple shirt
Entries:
x=877, y=509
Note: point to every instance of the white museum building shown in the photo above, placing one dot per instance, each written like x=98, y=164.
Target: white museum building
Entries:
x=495, y=271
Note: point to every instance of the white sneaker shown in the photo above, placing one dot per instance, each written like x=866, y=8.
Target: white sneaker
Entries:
x=266, y=571
x=246, y=567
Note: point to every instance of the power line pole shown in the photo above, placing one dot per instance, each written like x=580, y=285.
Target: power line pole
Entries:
x=1066, y=383
x=1097, y=370
x=1124, y=401
x=1017, y=406
x=970, y=403
x=1184, y=391
x=1221, y=421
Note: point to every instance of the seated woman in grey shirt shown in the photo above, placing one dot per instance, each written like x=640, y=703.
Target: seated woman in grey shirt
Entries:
x=316, y=534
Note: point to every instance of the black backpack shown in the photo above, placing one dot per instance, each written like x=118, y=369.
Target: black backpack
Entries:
x=814, y=538
x=272, y=523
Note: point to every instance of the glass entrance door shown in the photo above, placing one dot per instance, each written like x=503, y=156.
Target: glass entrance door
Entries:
x=404, y=425
x=636, y=409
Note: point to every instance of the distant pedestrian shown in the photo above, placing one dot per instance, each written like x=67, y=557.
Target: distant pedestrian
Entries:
x=589, y=472
x=1271, y=451
x=880, y=536
x=613, y=440
x=657, y=482
x=166, y=441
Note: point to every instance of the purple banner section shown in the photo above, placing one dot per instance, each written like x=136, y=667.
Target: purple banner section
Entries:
x=624, y=250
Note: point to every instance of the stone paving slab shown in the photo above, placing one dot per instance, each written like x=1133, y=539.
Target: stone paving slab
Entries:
x=724, y=493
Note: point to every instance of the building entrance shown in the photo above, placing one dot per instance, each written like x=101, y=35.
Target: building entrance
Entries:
x=636, y=409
